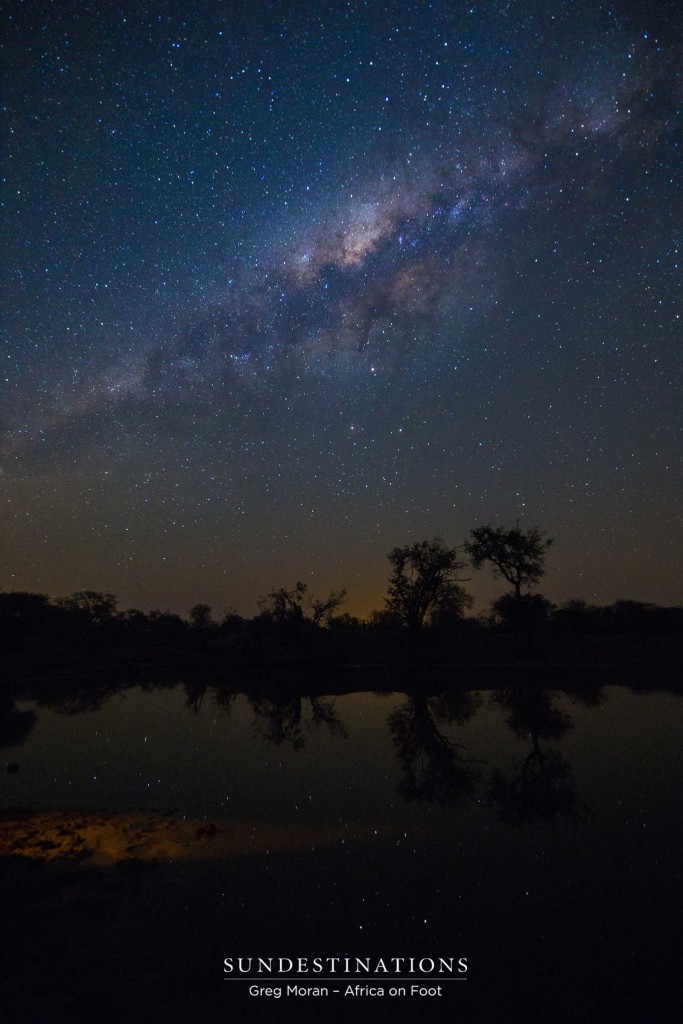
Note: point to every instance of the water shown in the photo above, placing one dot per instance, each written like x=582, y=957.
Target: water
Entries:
x=533, y=831
x=344, y=758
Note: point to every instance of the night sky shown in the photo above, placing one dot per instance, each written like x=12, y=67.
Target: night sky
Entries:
x=286, y=284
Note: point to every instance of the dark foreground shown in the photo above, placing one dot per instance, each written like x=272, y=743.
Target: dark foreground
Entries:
x=142, y=942
x=532, y=831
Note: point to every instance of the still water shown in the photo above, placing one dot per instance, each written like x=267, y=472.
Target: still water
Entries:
x=535, y=832
x=359, y=757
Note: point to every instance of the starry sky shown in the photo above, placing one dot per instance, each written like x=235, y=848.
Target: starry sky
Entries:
x=286, y=284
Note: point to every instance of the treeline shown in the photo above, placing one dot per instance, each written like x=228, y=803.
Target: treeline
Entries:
x=425, y=597
x=33, y=618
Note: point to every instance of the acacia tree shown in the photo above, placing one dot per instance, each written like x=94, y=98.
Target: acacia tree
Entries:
x=284, y=605
x=92, y=605
x=323, y=608
x=200, y=616
x=517, y=555
x=288, y=605
x=424, y=578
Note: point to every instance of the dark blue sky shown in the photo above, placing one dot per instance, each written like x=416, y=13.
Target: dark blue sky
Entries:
x=287, y=284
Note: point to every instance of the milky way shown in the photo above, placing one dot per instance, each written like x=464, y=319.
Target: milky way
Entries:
x=290, y=283
x=383, y=265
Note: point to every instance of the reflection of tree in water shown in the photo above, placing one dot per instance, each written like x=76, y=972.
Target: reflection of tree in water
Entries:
x=589, y=695
x=433, y=768
x=532, y=713
x=86, y=698
x=79, y=696
x=15, y=725
x=286, y=720
x=541, y=787
x=195, y=691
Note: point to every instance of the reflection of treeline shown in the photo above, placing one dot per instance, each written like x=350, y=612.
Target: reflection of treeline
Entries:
x=436, y=766
x=435, y=762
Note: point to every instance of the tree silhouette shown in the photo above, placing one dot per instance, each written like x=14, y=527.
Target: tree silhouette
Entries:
x=323, y=609
x=424, y=579
x=517, y=555
x=93, y=605
x=525, y=612
x=288, y=605
x=284, y=605
x=200, y=616
x=24, y=615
